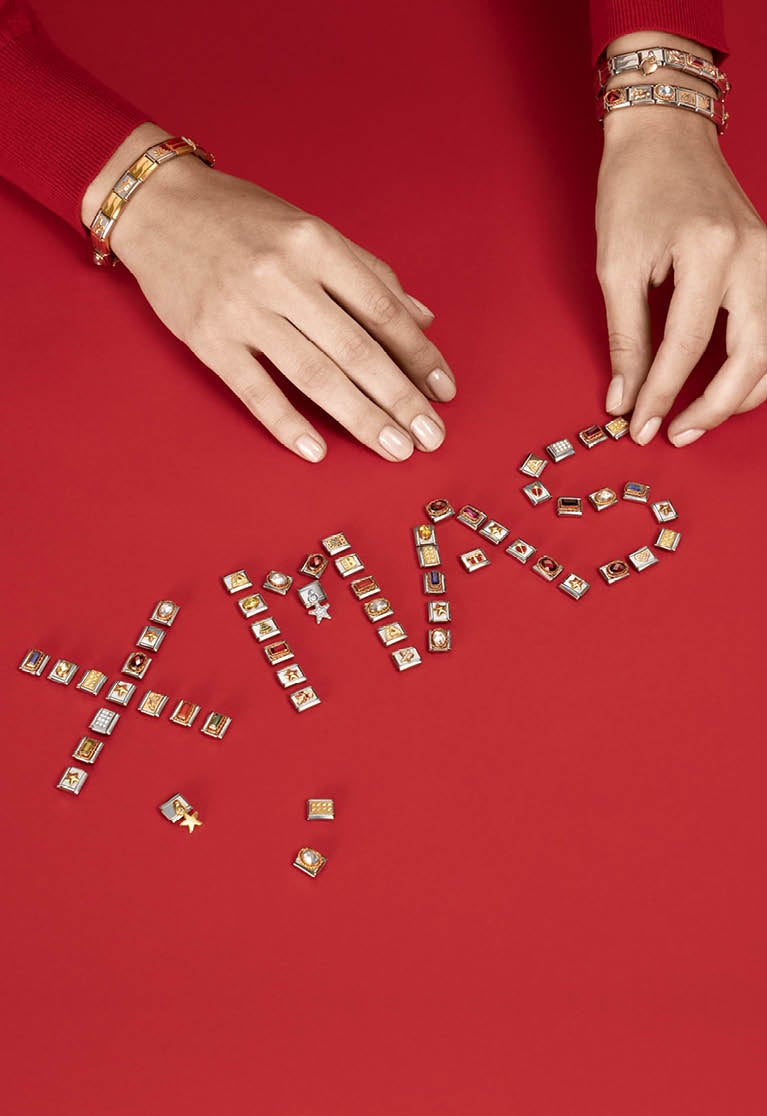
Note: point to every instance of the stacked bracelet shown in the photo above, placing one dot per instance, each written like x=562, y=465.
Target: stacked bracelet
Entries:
x=103, y=223
x=675, y=95
x=651, y=59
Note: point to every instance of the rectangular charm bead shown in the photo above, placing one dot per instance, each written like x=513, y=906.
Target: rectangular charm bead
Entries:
x=378, y=609
x=494, y=532
x=520, y=550
x=88, y=749
x=185, y=714
x=104, y=722
x=252, y=605
x=664, y=511
x=635, y=492
x=92, y=681
x=314, y=565
x=34, y=662
x=63, y=671
x=536, y=493
x=236, y=581
x=617, y=427
x=428, y=556
x=152, y=703
x=290, y=675
x=437, y=510
x=305, y=698
x=312, y=594
x=560, y=449
x=615, y=571
x=310, y=861
x=215, y=725
x=569, y=506
x=473, y=560
x=320, y=809
x=434, y=582
x=438, y=612
x=667, y=539
x=335, y=544
x=151, y=638
x=175, y=808
x=533, y=466
x=391, y=633
x=592, y=436
x=73, y=780
x=603, y=498
x=424, y=534
x=265, y=629
x=278, y=652
x=278, y=582
x=439, y=639
x=406, y=658
x=365, y=587
x=547, y=568
x=136, y=665
x=349, y=564
x=121, y=692
x=574, y=586
x=471, y=517
x=642, y=559
x=165, y=612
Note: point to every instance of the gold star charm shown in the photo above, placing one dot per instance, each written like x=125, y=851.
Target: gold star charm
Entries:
x=190, y=820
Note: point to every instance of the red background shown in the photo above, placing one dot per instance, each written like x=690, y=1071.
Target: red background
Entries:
x=544, y=891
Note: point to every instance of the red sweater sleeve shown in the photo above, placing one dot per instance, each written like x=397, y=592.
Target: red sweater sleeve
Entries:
x=701, y=20
x=58, y=124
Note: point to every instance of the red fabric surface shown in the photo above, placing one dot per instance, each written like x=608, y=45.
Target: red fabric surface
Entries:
x=700, y=20
x=543, y=892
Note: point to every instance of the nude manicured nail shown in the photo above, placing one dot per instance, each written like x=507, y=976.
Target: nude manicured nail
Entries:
x=686, y=437
x=396, y=443
x=427, y=432
x=614, y=394
x=310, y=448
x=648, y=431
x=441, y=384
x=423, y=308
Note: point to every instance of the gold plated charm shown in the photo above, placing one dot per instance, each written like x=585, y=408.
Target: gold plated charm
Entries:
x=150, y=638
x=265, y=629
x=335, y=544
x=92, y=681
x=152, y=703
x=614, y=571
x=437, y=510
x=592, y=436
x=434, y=582
x=278, y=652
x=560, y=449
x=34, y=662
x=121, y=692
x=547, y=567
x=664, y=511
x=574, y=586
x=603, y=498
x=439, y=639
x=310, y=861
x=533, y=465
x=406, y=658
x=424, y=534
x=87, y=750
x=236, y=581
x=668, y=539
x=428, y=556
x=349, y=564
x=215, y=725
x=290, y=675
x=278, y=582
x=520, y=550
x=314, y=565
x=617, y=427
x=63, y=671
x=378, y=609
x=471, y=517
x=438, y=611
x=304, y=698
x=320, y=809
x=473, y=560
x=495, y=532
x=104, y=722
x=536, y=493
x=252, y=605
x=642, y=559
x=73, y=780
x=364, y=587
x=568, y=506
x=180, y=812
x=391, y=633
x=136, y=665
x=165, y=612
x=185, y=714
x=635, y=492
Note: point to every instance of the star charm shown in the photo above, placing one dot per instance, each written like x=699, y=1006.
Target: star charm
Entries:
x=321, y=612
x=190, y=820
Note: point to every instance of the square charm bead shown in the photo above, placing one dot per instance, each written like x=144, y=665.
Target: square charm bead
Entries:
x=615, y=571
x=151, y=638
x=533, y=466
x=349, y=564
x=667, y=539
x=215, y=725
x=252, y=605
x=88, y=749
x=424, y=534
x=437, y=510
x=364, y=587
x=121, y=692
x=569, y=506
x=305, y=698
x=34, y=662
x=165, y=612
x=63, y=671
x=278, y=652
x=547, y=568
x=265, y=629
x=473, y=560
x=73, y=780
x=520, y=550
x=152, y=703
x=642, y=559
x=104, y=722
x=635, y=492
x=136, y=665
x=428, y=556
x=406, y=658
x=185, y=714
x=310, y=861
x=378, y=609
x=391, y=633
x=290, y=675
x=536, y=493
x=494, y=532
x=175, y=808
x=560, y=449
x=314, y=565
x=438, y=639
x=434, y=582
x=335, y=544
x=592, y=436
x=278, y=582
x=439, y=612
x=312, y=594
x=320, y=809
x=574, y=586
x=603, y=498
x=471, y=517
x=617, y=427
x=664, y=511
x=236, y=581
x=92, y=681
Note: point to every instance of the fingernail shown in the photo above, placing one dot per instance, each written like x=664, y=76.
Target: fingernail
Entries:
x=648, y=431
x=614, y=394
x=396, y=443
x=442, y=385
x=310, y=448
x=421, y=306
x=686, y=437
x=426, y=431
